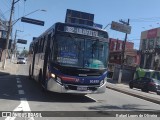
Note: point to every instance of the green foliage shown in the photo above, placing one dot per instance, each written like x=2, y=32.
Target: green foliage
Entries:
x=24, y=53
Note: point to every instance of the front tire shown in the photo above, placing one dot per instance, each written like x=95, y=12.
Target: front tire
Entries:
x=41, y=82
x=40, y=78
x=130, y=86
x=145, y=89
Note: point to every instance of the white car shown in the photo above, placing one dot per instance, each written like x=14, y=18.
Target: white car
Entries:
x=21, y=60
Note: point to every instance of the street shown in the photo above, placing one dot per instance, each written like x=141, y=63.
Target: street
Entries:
x=18, y=93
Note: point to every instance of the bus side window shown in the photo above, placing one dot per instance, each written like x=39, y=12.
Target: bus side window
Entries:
x=36, y=47
x=31, y=48
x=51, y=50
x=40, y=41
x=42, y=45
x=45, y=44
x=55, y=49
x=39, y=47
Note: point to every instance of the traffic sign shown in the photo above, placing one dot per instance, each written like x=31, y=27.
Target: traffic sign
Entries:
x=22, y=41
x=32, y=21
x=121, y=27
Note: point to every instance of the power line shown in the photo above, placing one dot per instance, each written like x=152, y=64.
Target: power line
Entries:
x=146, y=18
x=6, y=4
x=151, y=19
x=24, y=9
x=2, y=15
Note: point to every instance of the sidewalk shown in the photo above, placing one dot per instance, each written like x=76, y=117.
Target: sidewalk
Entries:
x=10, y=69
x=124, y=88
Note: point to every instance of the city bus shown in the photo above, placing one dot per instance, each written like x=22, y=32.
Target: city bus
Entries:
x=70, y=58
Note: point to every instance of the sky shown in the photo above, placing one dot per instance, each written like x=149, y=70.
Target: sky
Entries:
x=143, y=15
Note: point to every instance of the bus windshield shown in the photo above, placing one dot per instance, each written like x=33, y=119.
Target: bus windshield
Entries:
x=81, y=53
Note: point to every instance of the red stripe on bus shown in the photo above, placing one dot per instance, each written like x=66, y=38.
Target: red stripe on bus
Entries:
x=68, y=79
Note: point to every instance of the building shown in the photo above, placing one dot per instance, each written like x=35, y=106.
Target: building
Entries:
x=131, y=57
x=150, y=49
x=3, y=37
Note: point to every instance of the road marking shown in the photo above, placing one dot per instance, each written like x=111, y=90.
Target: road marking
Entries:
x=18, y=81
x=20, y=92
x=91, y=98
x=19, y=86
x=18, y=78
x=23, y=106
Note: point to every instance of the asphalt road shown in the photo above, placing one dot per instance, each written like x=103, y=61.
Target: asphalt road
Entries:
x=18, y=93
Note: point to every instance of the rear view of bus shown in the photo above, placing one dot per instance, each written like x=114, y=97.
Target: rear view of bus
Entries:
x=77, y=56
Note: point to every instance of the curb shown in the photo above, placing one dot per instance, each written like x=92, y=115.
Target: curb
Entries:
x=139, y=95
x=10, y=69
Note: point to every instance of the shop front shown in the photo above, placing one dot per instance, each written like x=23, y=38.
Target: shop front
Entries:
x=150, y=49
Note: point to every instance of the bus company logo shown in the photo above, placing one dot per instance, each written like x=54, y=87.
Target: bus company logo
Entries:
x=76, y=80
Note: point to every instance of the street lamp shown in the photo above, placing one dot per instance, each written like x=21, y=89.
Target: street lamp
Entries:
x=28, y=14
x=10, y=27
x=8, y=33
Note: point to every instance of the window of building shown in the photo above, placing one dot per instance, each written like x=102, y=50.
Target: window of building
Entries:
x=158, y=42
x=144, y=44
x=151, y=43
x=115, y=57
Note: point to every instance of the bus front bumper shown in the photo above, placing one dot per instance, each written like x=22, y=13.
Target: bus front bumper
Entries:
x=53, y=86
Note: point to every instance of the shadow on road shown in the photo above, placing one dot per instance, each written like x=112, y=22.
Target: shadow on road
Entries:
x=3, y=73
x=33, y=91
x=125, y=107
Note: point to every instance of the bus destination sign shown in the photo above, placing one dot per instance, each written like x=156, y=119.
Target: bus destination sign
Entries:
x=81, y=31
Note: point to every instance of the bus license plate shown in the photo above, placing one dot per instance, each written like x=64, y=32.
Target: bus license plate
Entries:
x=82, y=88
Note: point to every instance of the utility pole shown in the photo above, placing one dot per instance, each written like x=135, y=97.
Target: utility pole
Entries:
x=123, y=52
x=124, y=44
x=15, y=42
x=8, y=34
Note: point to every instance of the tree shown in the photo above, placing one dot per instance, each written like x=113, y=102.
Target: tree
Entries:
x=24, y=53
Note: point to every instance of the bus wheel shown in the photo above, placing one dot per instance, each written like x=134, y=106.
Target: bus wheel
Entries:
x=40, y=78
x=41, y=82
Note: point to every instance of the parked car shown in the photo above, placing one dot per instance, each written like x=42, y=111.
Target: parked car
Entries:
x=146, y=84
x=21, y=60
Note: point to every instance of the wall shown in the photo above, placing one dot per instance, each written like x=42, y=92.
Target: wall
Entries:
x=127, y=74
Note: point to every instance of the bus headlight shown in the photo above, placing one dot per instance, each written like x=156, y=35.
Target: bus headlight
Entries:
x=53, y=75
